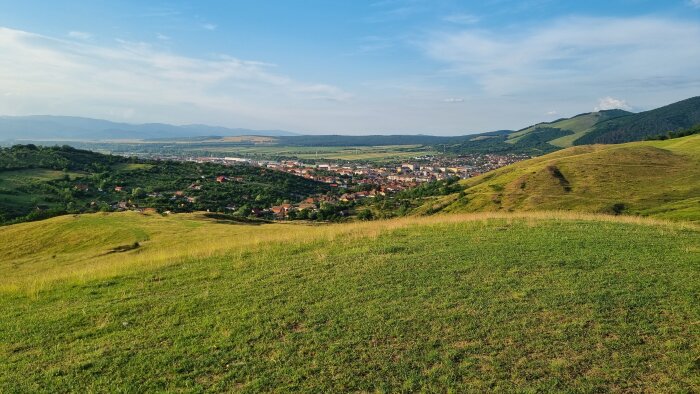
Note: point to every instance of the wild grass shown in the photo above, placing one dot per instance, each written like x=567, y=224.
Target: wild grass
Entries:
x=527, y=302
x=643, y=178
x=80, y=248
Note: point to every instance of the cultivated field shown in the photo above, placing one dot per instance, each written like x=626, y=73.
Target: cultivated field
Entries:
x=349, y=153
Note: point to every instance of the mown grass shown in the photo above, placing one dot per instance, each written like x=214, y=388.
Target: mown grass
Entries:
x=480, y=302
x=657, y=178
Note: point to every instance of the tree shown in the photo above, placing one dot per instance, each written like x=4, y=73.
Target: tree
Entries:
x=138, y=193
x=365, y=214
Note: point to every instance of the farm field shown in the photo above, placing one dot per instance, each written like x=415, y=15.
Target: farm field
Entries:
x=349, y=153
x=472, y=302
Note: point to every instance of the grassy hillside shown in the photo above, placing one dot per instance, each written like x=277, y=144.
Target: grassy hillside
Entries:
x=681, y=115
x=571, y=128
x=659, y=178
x=489, y=302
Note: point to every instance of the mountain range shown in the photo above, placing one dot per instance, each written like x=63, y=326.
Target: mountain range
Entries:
x=600, y=127
x=47, y=127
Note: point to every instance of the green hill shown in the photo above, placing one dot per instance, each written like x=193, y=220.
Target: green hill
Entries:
x=681, y=115
x=604, y=127
x=568, y=129
x=657, y=178
x=533, y=302
x=40, y=182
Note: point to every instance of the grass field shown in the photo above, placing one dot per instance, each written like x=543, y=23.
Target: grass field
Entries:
x=349, y=153
x=480, y=302
x=658, y=178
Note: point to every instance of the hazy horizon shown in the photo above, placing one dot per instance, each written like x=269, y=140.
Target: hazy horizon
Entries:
x=354, y=68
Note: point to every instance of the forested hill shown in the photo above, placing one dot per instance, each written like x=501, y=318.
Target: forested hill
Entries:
x=636, y=127
x=601, y=127
x=39, y=182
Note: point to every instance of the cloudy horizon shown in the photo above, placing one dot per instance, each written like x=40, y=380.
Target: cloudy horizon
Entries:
x=392, y=66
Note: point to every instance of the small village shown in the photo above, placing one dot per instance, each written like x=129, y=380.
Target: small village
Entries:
x=355, y=182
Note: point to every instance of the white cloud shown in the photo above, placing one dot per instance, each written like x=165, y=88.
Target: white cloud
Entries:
x=694, y=3
x=453, y=100
x=143, y=83
x=462, y=19
x=606, y=103
x=590, y=53
x=552, y=113
x=209, y=26
x=162, y=37
x=81, y=35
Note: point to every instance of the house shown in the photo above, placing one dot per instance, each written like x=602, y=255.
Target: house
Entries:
x=221, y=179
x=281, y=211
x=347, y=197
x=118, y=188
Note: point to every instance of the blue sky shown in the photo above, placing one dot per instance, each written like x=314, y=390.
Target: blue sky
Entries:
x=356, y=67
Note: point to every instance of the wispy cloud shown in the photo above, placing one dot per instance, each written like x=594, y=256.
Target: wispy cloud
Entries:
x=453, y=100
x=209, y=26
x=162, y=37
x=590, y=53
x=50, y=75
x=694, y=3
x=462, y=19
x=80, y=35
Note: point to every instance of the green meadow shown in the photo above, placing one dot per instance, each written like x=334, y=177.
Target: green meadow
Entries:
x=525, y=302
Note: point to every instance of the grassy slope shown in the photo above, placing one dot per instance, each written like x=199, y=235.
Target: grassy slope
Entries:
x=579, y=125
x=548, y=302
x=660, y=178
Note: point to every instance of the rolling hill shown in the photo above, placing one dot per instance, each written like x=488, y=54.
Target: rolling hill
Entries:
x=658, y=178
x=531, y=302
x=40, y=182
x=569, y=129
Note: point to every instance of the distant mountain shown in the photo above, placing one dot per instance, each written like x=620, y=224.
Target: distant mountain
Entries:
x=635, y=127
x=46, y=127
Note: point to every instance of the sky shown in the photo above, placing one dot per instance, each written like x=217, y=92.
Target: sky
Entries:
x=441, y=67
